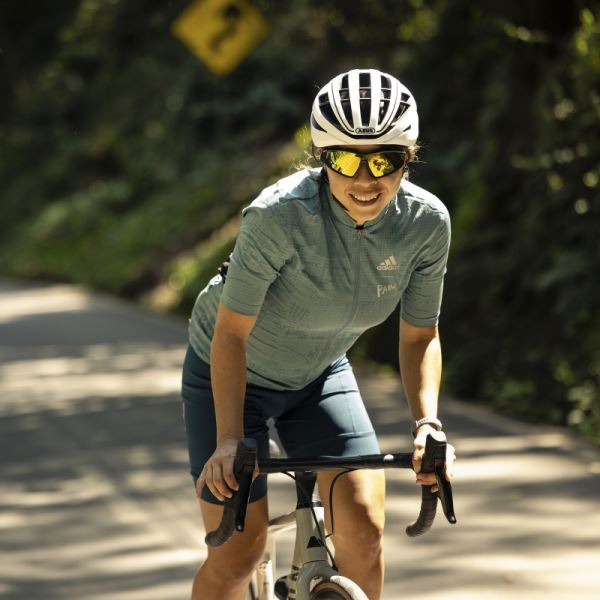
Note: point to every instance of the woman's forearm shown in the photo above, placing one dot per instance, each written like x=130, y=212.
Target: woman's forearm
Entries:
x=228, y=377
x=421, y=369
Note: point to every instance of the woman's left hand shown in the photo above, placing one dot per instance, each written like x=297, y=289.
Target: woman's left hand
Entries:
x=419, y=449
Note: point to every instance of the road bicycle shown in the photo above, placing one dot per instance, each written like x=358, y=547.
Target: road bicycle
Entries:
x=314, y=575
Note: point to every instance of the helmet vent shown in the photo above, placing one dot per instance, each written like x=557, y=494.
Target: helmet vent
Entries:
x=347, y=107
x=314, y=123
x=345, y=101
x=401, y=110
x=365, y=111
x=327, y=111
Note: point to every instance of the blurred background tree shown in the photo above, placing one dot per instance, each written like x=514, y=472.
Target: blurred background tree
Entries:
x=125, y=163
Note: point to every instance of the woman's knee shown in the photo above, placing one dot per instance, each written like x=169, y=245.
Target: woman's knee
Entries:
x=236, y=559
x=237, y=562
x=359, y=512
x=364, y=529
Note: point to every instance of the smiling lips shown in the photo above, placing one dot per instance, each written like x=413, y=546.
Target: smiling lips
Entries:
x=364, y=198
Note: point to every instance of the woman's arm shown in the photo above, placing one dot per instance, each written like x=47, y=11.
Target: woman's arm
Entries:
x=420, y=368
x=228, y=380
x=421, y=371
x=228, y=370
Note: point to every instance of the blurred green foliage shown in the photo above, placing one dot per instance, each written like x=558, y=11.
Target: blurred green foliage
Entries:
x=125, y=163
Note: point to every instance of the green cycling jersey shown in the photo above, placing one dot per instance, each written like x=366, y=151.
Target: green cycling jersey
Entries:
x=317, y=281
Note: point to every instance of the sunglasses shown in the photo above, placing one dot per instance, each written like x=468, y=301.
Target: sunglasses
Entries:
x=347, y=163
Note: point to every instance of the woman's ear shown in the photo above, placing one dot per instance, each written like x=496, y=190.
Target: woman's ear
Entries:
x=317, y=152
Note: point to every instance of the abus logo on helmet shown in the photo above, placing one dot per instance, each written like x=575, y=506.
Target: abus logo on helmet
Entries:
x=364, y=130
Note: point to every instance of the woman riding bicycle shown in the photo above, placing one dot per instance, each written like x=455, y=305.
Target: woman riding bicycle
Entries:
x=321, y=256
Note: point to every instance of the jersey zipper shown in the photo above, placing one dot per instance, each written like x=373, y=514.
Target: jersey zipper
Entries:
x=359, y=234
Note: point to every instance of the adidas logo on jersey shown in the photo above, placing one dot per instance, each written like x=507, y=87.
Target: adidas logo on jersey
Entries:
x=389, y=264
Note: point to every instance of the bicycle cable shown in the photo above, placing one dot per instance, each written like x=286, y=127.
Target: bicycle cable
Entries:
x=314, y=516
x=344, y=472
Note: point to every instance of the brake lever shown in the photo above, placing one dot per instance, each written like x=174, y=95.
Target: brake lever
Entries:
x=444, y=492
x=243, y=468
x=234, y=508
x=434, y=461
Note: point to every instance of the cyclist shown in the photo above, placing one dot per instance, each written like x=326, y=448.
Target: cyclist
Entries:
x=321, y=256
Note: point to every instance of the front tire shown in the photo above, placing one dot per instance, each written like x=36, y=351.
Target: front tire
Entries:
x=337, y=588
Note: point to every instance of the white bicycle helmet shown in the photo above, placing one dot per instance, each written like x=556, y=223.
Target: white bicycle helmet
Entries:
x=364, y=106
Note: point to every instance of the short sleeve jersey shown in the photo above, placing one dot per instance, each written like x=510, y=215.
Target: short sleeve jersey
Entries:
x=317, y=281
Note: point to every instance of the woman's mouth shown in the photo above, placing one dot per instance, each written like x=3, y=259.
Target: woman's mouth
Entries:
x=365, y=199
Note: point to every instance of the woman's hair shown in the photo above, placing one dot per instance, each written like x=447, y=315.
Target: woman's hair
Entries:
x=412, y=153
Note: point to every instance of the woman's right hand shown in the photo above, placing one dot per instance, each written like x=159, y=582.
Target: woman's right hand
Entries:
x=218, y=471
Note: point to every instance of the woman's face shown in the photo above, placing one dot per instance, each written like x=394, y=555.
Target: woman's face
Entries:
x=364, y=196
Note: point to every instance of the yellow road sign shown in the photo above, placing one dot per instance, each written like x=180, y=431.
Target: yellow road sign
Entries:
x=221, y=33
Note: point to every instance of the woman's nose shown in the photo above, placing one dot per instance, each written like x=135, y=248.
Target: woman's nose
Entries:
x=363, y=173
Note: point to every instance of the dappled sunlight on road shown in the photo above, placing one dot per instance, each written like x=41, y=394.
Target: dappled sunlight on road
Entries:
x=97, y=501
x=67, y=383
x=96, y=497
x=91, y=515
x=28, y=302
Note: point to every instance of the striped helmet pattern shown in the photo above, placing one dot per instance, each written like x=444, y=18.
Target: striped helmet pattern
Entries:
x=364, y=106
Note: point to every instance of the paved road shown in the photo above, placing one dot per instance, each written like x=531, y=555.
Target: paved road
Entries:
x=96, y=502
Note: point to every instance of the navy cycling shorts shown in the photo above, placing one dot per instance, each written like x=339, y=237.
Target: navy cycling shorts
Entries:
x=327, y=417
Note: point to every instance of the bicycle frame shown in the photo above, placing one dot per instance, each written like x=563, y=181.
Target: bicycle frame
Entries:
x=263, y=580
x=310, y=559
